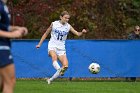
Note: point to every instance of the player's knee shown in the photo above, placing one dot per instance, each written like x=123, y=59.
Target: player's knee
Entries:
x=54, y=58
x=13, y=81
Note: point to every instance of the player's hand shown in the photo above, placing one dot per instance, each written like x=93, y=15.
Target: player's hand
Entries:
x=84, y=31
x=17, y=34
x=25, y=31
x=37, y=46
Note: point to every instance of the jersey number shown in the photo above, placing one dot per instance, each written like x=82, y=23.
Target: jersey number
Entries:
x=59, y=36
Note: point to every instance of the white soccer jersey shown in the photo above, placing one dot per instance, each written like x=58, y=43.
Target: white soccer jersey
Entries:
x=59, y=34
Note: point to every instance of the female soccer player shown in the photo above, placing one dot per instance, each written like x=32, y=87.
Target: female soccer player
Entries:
x=56, y=47
x=7, y=70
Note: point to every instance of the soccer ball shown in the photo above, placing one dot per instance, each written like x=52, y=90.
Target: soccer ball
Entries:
x=94, y=68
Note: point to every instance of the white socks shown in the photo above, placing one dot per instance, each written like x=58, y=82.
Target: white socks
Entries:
x=55, y=75
x=56, y=65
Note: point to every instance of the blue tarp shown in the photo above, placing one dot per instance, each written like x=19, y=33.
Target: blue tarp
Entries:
x=117, y=58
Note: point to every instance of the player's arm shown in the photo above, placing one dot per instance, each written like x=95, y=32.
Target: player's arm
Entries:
x=44, y=36
x=76, y=32
x=17, y=32
x=13, y=28
x=14, y=34
x=6, y=34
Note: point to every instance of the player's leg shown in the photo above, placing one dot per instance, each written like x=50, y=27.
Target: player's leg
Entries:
x=7, y=71
x=1, y=83
x=8, y=77
x=64, y=61
x=56, y=75
x=53, y=55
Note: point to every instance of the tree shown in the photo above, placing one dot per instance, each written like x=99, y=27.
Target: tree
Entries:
x=104, y=19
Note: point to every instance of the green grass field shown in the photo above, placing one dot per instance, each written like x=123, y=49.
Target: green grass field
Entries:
x=40, y=86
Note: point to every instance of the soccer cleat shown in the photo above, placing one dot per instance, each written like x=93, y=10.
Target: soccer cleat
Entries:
x=63, y=71
x=49, y=81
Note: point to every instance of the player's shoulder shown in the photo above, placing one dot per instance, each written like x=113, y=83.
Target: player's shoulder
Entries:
x=56, y=22
x=68, y=24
